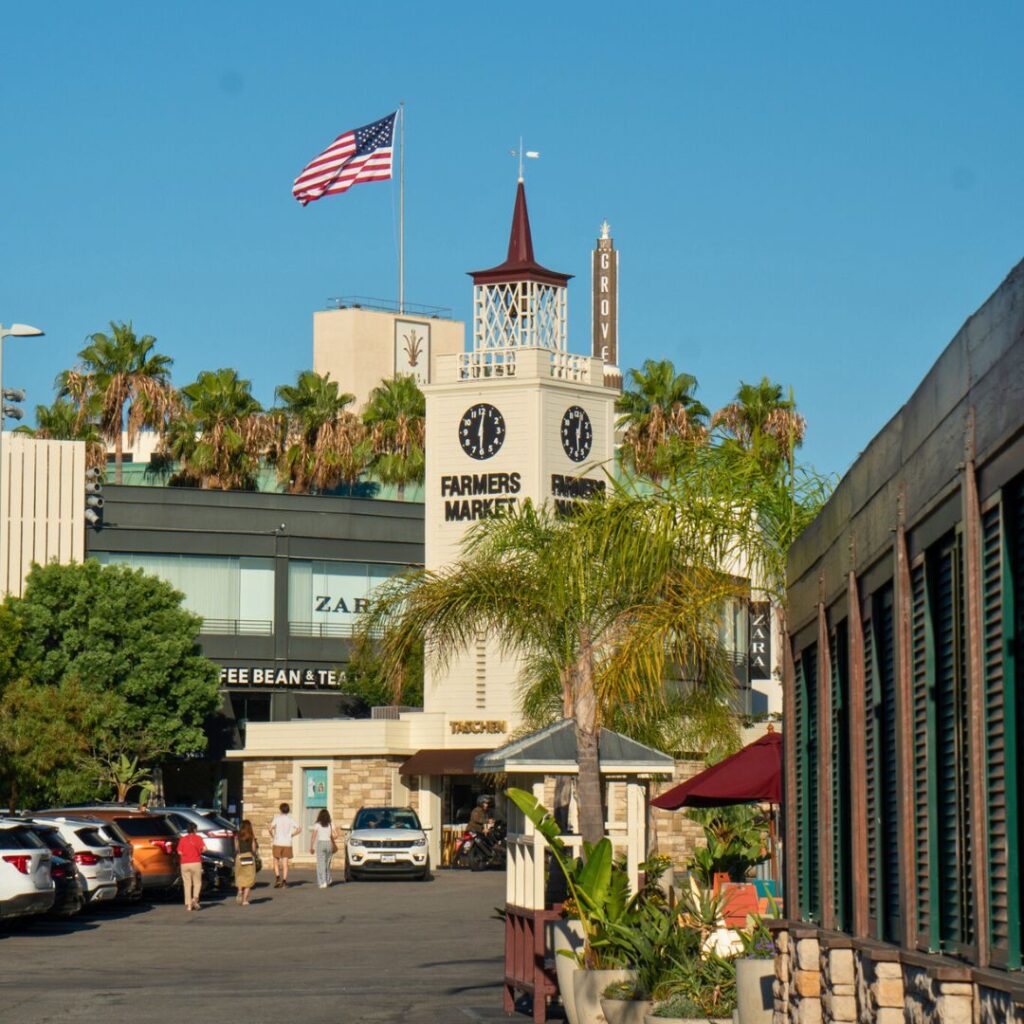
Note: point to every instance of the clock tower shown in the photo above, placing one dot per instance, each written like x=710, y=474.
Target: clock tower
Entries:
x=518, y=416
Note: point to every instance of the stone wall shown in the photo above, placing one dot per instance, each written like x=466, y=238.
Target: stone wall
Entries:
x=676, y=835
x=265, y=786
x=826, y=978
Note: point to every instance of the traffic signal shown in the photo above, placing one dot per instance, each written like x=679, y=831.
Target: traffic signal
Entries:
x=94, y=497
x=12, y=395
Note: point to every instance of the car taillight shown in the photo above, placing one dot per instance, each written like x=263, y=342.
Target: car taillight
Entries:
x=167, y=845
x=56, y=851
x=118, y=850
x=58, y=872
x=19, y=860
x=85, y=857
x=222, y=833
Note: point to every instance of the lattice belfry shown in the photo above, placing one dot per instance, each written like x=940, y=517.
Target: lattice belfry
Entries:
x=519, y=314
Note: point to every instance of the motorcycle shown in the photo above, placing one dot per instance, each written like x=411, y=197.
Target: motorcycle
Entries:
x=481, y=850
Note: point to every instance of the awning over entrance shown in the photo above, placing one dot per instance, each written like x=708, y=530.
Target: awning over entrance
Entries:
x=442, y=762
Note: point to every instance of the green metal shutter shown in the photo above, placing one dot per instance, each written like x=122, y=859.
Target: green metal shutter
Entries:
x=1002, y=540
x=888, y=783
x=919, y=672
x=806, y=701
x=842, y=838
x=872, y=777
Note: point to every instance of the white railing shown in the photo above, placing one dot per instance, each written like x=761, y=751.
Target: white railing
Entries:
x=566, y=366
x=497, y=362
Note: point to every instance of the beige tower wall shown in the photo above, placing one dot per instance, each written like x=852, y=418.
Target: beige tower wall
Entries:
x=357, y=347
x=42, y=505
x=482, y=685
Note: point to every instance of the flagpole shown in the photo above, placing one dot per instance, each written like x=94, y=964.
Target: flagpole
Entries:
x=401, y=208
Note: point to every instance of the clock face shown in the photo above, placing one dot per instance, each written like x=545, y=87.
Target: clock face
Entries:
x=481, y=431
x=577, y=433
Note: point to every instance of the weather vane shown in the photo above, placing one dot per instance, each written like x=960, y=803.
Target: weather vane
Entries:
x=520, y=154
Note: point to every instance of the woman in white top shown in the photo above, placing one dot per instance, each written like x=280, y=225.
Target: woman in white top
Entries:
x=323, y=843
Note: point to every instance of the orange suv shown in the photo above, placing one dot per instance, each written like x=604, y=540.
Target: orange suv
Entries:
x=152, y=837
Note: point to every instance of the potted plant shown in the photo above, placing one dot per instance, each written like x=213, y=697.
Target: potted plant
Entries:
x=755, y=973
x=700, y=988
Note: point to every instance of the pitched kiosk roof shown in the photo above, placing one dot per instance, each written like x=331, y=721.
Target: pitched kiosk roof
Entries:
x=553, y=749
x=520, y=264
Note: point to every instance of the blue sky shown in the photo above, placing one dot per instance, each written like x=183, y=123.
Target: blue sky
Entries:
x=818, y=192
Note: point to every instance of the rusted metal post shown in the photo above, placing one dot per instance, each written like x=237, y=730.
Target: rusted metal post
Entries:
x=826, y=865
x=858, y=726
x=904, y=733
x=978, y=863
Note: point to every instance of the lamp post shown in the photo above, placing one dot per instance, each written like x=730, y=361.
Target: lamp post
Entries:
x=14, y=331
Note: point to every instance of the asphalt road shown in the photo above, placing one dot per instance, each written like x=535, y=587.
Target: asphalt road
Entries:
x=374, y=952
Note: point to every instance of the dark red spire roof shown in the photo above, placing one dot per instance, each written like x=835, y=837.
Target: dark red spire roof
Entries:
x=520, y=264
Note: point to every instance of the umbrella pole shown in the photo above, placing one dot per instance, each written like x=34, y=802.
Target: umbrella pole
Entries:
x=773, y=846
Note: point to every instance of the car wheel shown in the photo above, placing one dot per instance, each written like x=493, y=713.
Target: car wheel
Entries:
x=350, y=875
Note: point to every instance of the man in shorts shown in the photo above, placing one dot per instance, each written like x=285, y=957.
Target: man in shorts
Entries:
x=283, y=828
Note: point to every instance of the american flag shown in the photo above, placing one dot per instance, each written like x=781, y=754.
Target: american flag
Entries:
x=363, y=154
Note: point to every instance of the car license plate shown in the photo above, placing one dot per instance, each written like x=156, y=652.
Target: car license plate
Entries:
x=387, y=858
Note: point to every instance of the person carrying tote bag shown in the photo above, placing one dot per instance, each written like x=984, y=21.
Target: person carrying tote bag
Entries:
x=246, y=846
x=324, y=845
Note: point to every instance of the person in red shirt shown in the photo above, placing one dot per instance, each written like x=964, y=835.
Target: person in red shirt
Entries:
x=190, y=849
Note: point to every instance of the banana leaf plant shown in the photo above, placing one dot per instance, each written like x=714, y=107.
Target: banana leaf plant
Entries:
x=597, y=886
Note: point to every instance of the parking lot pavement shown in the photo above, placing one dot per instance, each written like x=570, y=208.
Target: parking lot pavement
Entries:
x=374, y=952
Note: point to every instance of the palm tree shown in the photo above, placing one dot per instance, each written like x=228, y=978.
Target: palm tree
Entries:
x=661, y=417
x=604, y=601
x=61, y=422
x=119, y=371
x=395, y=417
x=762, y=423
x=322, y=443
x=220, y=434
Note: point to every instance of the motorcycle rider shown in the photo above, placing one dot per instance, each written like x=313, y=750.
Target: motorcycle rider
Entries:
x=481, y=818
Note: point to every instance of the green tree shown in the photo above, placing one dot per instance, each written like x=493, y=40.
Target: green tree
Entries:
x=124, y=633
x=395, y=416
x=323, y=443
x=220, y=433
x=605, y=600
x=120, y=372
x=61, y=421
x=366, y=676
x=660, y=416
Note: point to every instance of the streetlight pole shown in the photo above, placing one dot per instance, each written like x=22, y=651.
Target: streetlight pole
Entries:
x=14, y=331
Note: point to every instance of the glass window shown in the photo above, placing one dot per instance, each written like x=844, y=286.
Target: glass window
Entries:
x=231, y=594
x=330, y=595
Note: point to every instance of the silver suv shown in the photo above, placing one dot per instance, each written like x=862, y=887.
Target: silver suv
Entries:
x=218, y=833
x=386, y=841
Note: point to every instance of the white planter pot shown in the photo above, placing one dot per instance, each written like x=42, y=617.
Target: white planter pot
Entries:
x=587, y=989
x=687, y=1020
x=566, y=934
x=754, y=1000
x=625, y=1011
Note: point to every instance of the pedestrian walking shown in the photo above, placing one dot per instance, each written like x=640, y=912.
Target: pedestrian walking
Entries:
x=246, y=848
x=190, y=857
x=324, y=844
x=283, y=828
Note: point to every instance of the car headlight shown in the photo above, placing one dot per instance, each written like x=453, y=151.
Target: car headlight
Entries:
x=356, y=843
x=422, y=841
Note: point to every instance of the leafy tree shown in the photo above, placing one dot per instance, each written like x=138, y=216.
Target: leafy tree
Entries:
x=220, y=434
x=366, y=676
x=120, y=371
x=123, y=633
x=660, y=417
x=395, y=416
x=605, y=600
x=323, y=443
x=62, y=421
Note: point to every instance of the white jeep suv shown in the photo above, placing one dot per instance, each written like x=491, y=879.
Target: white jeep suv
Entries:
x=386, y=841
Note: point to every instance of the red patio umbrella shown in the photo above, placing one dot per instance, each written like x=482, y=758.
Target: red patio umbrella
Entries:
x=751, y=775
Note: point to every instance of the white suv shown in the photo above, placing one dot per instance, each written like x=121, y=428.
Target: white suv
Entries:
x=94, y=855
x=25, y=883
x=386, y=841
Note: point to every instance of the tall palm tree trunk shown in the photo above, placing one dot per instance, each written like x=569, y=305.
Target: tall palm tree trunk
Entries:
x=591, y=804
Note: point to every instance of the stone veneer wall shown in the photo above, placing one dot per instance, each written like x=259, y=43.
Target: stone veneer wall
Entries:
x=357, y=782
x=821, y=978
x=676, y=835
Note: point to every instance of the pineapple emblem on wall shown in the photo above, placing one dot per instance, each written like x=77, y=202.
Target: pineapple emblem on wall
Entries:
x=412, y=350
